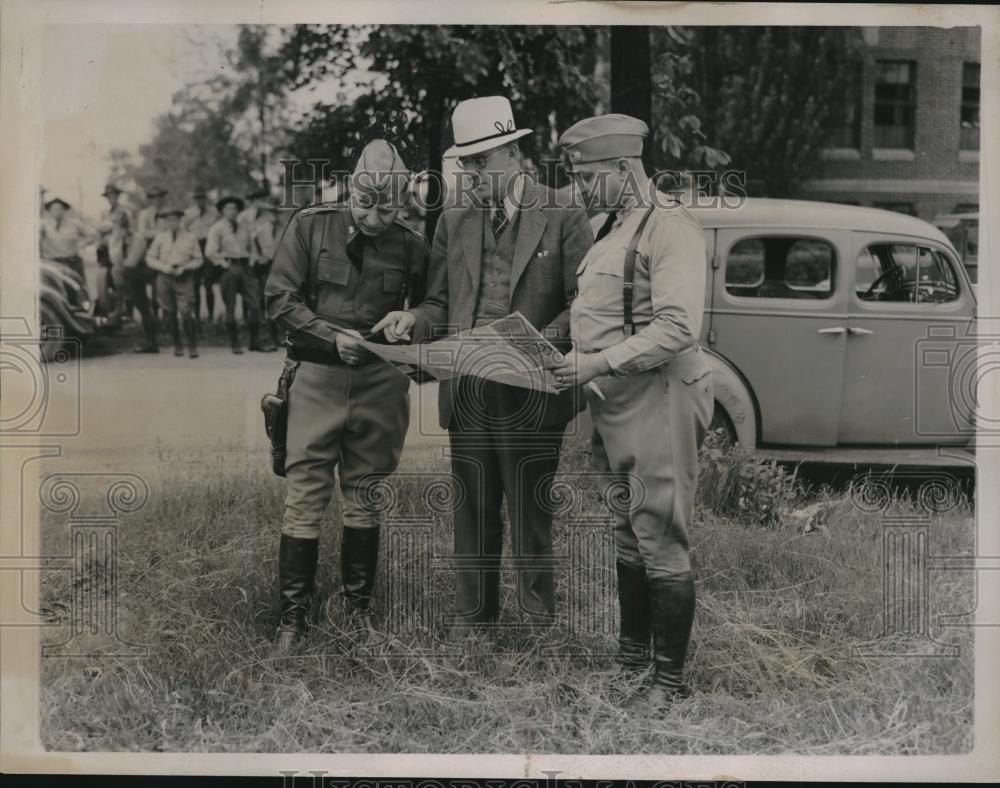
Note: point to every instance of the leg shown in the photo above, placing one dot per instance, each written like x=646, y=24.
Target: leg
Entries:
x=251, y=308
x=633, y=594
x=166, y=295
x=137, y=279
x=185, y=290
x=370, y=449
x=316, y=417
x=528, y=462
x=230, y=286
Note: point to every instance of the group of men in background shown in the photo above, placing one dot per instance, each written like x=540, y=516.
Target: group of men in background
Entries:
x=160, y=259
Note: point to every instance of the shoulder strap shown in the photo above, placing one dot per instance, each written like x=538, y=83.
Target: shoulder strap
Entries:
x=629, y=272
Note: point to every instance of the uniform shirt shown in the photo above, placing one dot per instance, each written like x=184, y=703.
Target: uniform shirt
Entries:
x=199, y=222
x=64, y=239
x=668, y=297
x=347, y=294
x=109, y=219
x=224, y=242
x=171, y=251
x=126, y=250
x=147, y=224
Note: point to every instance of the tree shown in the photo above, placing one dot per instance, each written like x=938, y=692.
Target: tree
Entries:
x=770, y=96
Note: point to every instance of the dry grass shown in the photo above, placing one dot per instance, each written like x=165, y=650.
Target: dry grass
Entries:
x=774, y=658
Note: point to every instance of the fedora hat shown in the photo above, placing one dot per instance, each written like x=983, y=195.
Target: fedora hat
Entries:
x=156, y=191
x=240, y=205
x=110, y=189
x=481, y=124
x=59, y=201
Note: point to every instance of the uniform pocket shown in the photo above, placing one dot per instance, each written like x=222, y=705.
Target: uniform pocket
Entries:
x=332, y=271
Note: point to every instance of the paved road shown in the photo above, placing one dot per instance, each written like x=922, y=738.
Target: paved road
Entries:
x=154, y=413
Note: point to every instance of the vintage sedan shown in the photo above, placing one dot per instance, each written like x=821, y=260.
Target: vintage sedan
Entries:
x=839, y=333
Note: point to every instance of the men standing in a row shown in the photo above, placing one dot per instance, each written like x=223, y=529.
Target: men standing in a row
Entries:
x=116, y=274
x=635, y=324
x=175, y=255
x=338, y=269
x=127, y=252
x=228, y=246
x=62, y=235
x=198, y=219
x=511, y=248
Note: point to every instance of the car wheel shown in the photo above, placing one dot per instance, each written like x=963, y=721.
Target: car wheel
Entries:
x=722, y=422
x=53, y=343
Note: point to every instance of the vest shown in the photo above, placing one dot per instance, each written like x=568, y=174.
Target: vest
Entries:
x=494, y=283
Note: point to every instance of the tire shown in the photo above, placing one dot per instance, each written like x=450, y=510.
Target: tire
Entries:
x=49, y=324
x=721, y=421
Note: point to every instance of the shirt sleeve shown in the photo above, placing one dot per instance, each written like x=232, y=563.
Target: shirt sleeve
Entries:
x=213, y=246
x=676, y=247
x=283, y=291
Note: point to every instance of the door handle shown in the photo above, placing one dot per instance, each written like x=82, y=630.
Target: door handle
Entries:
x=859, y=331
x=834, y=330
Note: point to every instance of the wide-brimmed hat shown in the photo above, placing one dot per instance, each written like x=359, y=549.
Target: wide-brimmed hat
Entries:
x=229, y=198
x=110, y=189
x=156, y=191
x=481, y=124
x=60, y=200
x=169, y=211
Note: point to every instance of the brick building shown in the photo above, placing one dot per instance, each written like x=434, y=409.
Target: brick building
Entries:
x=909, y=140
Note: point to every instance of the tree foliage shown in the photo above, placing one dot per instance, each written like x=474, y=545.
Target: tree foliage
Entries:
x=770, y=96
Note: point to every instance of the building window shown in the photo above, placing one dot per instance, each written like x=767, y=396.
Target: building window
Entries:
x=895, y=103
x=969, y=135
x=780, y=267
x=846, y=126
x=898, y=207
x=904, y=273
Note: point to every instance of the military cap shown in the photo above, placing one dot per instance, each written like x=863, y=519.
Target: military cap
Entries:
x=604, y=137
x=59, y=200
x=170, y=211
x=380, y=174
x=156, y=191
x=110, y=189
x=230, y=199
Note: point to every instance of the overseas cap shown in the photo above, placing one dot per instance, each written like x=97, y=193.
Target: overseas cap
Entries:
x=380, y=175
x=604, y=137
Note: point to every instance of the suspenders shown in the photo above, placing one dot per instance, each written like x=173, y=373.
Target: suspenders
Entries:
x=629, y=272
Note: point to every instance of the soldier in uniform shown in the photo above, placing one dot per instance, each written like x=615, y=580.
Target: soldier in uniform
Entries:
x=63, y=235
x=111, y=219
x=264, y=239
x=338, y=269
x=635, y=325
x=175, y=256
x=229, y=247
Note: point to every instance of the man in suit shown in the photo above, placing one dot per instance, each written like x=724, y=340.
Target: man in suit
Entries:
x=509, y=246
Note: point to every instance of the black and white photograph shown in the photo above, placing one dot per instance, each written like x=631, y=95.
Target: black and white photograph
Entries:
x=533, y=389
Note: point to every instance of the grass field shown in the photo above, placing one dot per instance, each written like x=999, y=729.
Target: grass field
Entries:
x=783, y=616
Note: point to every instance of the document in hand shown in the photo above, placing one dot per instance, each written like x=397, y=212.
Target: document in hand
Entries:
x=509, y=350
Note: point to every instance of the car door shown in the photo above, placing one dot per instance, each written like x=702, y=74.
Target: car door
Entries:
x=910, y=320
x=778, y=315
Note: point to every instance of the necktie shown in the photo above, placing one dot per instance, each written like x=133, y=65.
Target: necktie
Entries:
x=499, y=219
x=606, y=227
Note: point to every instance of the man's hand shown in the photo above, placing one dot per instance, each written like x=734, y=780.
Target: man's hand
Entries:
x=396, y=325
x=578, y=369
x=348, y=346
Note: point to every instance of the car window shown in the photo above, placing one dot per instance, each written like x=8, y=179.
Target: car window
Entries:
x=780, y=267
x=904, y=273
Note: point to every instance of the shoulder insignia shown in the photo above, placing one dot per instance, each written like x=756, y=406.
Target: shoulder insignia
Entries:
x=405, y=226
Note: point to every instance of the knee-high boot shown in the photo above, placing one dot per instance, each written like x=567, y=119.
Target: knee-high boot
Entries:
x=191, y=329
x=635, y=621
x=358, y=565
x=296, y=576
x=234, y=336
x=672, y=603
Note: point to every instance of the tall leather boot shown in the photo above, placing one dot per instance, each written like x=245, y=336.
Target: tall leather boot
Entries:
x=296, y=574
x=358, y=564
x=234, y=337
x=191, y=329
x=175, y=334
x=635, y=618
x=672, y=604
x=150, y=345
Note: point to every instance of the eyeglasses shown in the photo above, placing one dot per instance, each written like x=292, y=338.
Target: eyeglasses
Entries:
x=477, y=163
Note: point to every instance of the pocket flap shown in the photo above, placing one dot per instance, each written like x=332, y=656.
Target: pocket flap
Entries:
x=697, y=374
x=392, y=281
x=336, y=271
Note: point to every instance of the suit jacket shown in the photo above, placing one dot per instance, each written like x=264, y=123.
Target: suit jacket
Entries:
x=550, y=244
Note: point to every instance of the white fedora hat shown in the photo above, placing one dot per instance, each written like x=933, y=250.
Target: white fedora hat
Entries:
x=481, y=124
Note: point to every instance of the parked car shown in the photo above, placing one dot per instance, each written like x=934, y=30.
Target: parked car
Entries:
x=839, y=333
x=65, y=312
